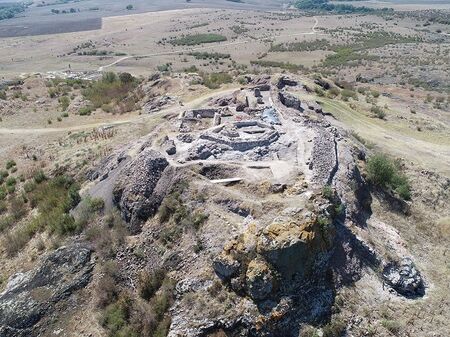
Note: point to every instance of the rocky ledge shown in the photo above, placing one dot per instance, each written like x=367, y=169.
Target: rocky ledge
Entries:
x=31, y=296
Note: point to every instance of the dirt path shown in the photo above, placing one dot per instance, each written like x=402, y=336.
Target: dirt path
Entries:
x=187, y=50
x=135, y=119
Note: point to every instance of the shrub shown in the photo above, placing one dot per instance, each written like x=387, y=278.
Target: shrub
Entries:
x=391, y=325
x=85, y=111
x=64, y=102
x=380, y=170
x=110, y=88
x=150, y=282
x=39, y=177
x=346, y=94
x=384, y=172
x=10, y=164
x=11, y=181
x=378, y=112
x=3, y=193
x=327, y=192
x=215, y=80
x=335, y=328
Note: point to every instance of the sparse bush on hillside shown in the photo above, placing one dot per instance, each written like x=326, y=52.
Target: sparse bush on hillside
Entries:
x=150, y=282
x=384, y=172
x=108, y=89
x=64, y=102
x=10, y=164
x=378, y=112
x=215, y=80
x=335, y=328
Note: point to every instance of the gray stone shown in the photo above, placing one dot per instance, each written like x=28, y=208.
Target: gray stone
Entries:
x=225, y=266
x=404, y=278
x=290, y=101
x=141, y=186
x=31, y=296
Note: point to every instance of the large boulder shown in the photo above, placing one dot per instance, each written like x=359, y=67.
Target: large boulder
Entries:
x=225, y=266
x=290, y=101
x=291, y=246
x=31, y=296
x=284, y=81
x=404, y=278
x=141, y=186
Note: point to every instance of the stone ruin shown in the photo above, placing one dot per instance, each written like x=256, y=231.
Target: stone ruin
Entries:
x=243, y=136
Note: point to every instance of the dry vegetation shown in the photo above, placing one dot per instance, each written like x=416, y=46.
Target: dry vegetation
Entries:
x=383, y=76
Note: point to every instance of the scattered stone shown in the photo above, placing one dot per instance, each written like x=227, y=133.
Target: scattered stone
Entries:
x=185, y=138
x=278, y=188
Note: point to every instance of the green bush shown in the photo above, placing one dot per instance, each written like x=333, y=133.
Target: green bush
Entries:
x=327, y=192
x=384, y=172
x=110, y=88
x=10, y=164
x=335, y=328
x=39, y=177
x=64, y=102
x=11, y=181
x=393, y=326
x=85, y=111
x=215, y=80
x=378, y=112
x=3, y=193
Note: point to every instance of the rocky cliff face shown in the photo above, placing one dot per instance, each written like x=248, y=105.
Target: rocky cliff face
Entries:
x=31, y=296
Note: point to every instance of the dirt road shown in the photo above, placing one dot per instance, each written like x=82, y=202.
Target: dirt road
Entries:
x=188, y=50
x=135, y=119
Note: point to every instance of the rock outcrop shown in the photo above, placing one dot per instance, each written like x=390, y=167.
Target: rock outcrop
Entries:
x=259, y=279
x=290, y=101
x=141, y=186
x=404, y=278
x=284, y=81
x=31, y=296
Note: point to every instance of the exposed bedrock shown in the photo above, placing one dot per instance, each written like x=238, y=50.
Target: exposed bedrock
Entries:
x=141, y=186
x=32, y=296
x=284, y=81
x=290, y=101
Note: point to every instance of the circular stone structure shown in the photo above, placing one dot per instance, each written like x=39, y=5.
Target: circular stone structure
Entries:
x=242, y=136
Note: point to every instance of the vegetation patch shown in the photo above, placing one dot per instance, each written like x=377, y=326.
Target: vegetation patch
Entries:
x=273, y=64
x=192, y=40
x=110, y=88
x=385, y=172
